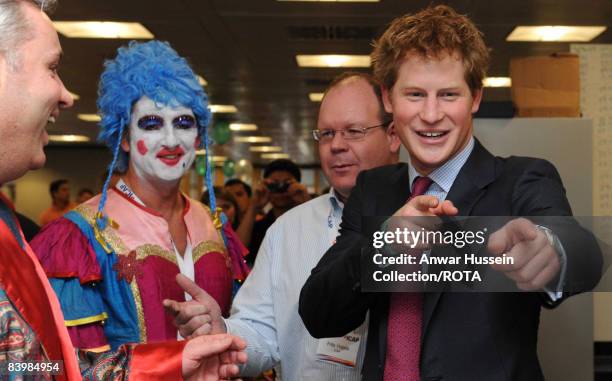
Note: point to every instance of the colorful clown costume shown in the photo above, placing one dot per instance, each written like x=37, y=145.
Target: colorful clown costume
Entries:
x=111, y=284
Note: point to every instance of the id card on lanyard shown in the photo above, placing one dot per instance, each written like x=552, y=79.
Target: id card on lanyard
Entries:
x=340, y=350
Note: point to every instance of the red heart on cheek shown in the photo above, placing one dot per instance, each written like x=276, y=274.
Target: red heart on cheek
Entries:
x=142, y=147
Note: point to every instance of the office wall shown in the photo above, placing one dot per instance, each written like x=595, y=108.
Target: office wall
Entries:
x=83, y=167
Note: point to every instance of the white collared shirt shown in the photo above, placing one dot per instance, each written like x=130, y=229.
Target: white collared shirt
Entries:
x=265, y=310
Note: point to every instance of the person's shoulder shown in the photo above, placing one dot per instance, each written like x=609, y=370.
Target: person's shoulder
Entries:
x=305, y=209
x=385, y=174
x=521, y=164
x=95, y=200
x=197, y=205
x=47, y=211
x=307, y=212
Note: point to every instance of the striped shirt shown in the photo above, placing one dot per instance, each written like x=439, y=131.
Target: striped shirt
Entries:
x=444, y=176
x=265, y=310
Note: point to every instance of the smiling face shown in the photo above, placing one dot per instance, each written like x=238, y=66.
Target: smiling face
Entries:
x=31, y=95
x=353, y=103
x=432, y=108
x=162, y=141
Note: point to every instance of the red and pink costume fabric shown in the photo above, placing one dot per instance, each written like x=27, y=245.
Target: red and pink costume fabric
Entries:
x=113, y=295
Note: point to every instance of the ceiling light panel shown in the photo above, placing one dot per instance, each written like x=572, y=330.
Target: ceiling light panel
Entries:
x=243, y=127
x=316, y=97
x=332, y=60
x=102, y=29
x=274, y=156
x=252, y=139
x=69, y=138
x=223, y=109
x=89, y=117
x=265, y=149
x=497, y=82
x=556, y=33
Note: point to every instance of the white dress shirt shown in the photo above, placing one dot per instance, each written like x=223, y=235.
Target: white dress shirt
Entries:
x=265, y=310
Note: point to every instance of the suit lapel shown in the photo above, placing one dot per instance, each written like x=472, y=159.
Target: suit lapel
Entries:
x=394, y=197
x=468, y=188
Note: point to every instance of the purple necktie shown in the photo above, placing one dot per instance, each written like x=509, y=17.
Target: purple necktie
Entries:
x=404, y=326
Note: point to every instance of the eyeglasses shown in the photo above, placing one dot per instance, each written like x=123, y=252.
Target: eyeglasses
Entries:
x=351, y=133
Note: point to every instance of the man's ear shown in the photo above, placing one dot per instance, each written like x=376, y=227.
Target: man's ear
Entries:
x=125, y=143
x=393, y=138
x=386, y=97
x=476, y=98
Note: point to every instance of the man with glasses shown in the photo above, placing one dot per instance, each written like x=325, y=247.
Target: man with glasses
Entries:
x=353, y=134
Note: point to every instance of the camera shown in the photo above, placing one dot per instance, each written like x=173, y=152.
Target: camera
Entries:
x=278, y=187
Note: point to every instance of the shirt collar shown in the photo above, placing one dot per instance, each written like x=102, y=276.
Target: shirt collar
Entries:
x=335, y=200
x=446, y=174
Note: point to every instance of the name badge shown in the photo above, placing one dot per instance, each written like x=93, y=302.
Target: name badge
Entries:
x=340, y=350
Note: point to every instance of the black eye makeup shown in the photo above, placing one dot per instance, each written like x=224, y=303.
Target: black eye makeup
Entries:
x=156, y=122
x=151, y=122
x=184, y=122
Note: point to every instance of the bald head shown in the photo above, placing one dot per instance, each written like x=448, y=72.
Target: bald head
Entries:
x=354, y=133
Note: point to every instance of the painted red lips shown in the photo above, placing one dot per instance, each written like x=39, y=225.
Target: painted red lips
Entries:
x=170, y=157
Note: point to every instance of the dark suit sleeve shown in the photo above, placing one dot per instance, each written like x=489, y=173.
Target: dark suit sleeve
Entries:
x=540, y=194
x=331, y=301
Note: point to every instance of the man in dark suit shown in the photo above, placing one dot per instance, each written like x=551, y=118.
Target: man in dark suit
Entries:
x=431, y=66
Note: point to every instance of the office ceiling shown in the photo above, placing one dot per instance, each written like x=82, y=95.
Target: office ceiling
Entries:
x=245, y=49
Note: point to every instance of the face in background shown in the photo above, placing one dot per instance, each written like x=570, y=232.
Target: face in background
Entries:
x=432, y=108
x=31, y=95
x=353, y=103
x=62, y=194
x=280, y=200
x=162, y=141
x=228, y=208
x=84, y=196
x=240, y=195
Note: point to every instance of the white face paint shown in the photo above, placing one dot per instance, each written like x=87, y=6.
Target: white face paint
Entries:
x=162, y=140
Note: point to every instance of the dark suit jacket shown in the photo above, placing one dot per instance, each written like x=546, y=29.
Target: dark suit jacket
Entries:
x=465, y=336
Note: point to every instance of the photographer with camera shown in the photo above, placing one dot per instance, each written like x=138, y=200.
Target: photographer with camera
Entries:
x=282, y=188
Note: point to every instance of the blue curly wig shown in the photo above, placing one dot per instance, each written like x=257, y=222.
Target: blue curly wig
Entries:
x=155, y=70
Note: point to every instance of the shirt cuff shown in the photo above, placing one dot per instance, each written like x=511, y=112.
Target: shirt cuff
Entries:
x=555, y=293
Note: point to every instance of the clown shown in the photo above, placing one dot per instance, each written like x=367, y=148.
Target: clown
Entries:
x=113, y=260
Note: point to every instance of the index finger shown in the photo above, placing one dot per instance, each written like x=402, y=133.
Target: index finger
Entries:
x=424, y=203
x=446, y=208
x=190, y=287
x=171, y=306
